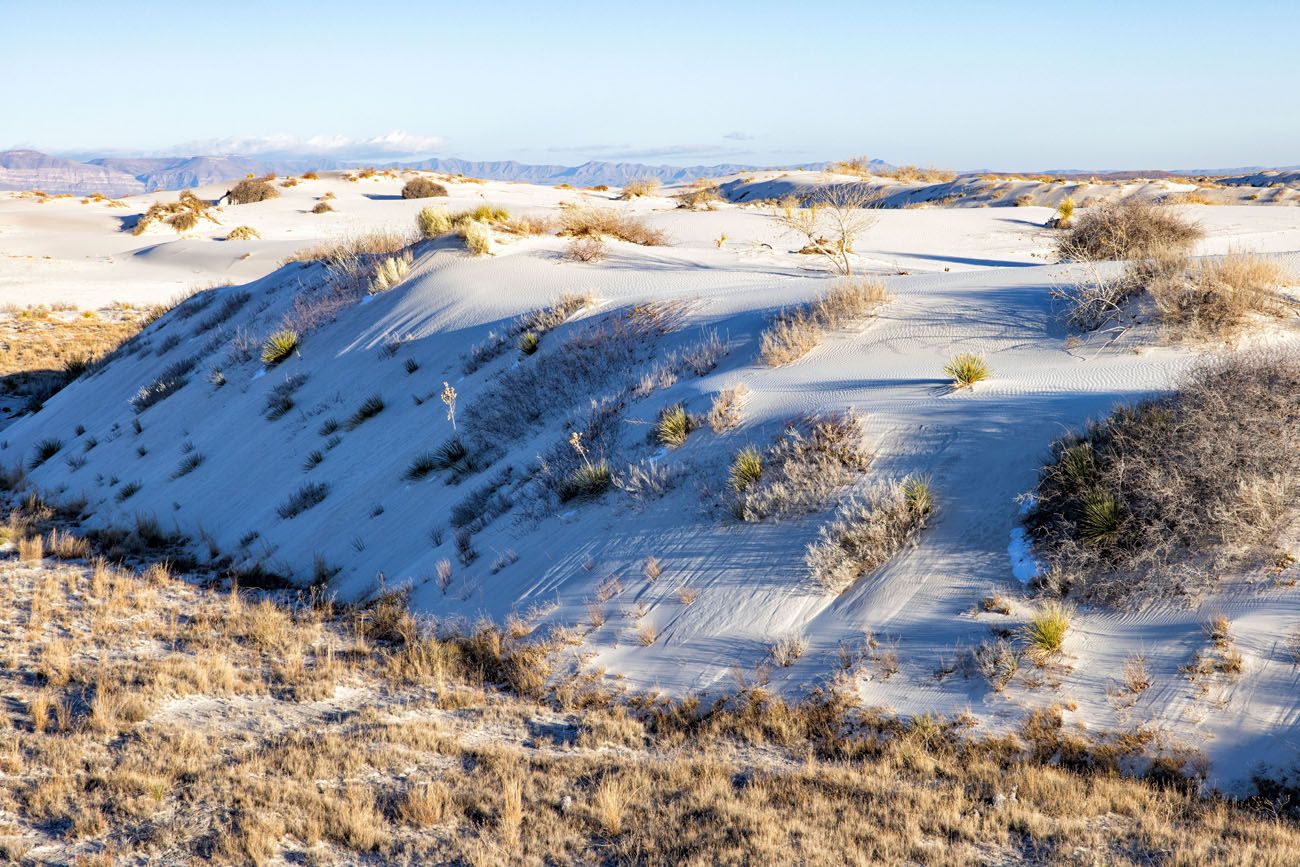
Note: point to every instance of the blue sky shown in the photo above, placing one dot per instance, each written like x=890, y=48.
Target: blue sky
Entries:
x=1003, y=85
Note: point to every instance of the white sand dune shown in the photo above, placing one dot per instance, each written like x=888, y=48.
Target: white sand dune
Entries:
x=964, y=279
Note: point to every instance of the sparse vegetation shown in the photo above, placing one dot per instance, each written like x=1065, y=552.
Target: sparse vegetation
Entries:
x=1166, y=493
x=830, y=221
x=674, y=426
x=724, y=413
x=1214, y=299
x=638, y=187
x=586, y=250
x=867, y=532
x=1045, y=632
x=369, y=408
x=173, y=378
x=390, y=272
x=794, y=333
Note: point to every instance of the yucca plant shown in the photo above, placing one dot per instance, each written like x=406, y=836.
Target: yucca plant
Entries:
x=1045, y=632
x=46, y=449
x=1064, y=213
x=746, y=469
x=279, y=346
x=919, y=495
x=529, y=342
x=966, y=369
x=673, y=427
x=423, y=464
x=588, y=480
x=1101, y=517
x=370, y=407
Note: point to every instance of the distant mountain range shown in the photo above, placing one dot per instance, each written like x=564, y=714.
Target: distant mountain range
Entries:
x=123, y=176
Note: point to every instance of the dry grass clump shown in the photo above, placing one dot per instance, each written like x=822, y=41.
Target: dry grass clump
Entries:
x=602, y=223
x=309, y=495
x=173, y=378
x=1045, y=632
x=802, y=471
x=867, y=532
x=1164, y=494
x=1130, y=229
x=794, y=333
x=724, y=413
x=322, y=207
x=701, y=195
x=390, y=271
x=638, y=187
x=1214, y=299
x=243, y=233
x=422, y=188
x=251, y=190
x=182, y=215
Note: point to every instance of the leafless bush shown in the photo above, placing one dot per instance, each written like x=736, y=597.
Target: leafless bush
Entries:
x=788, y=649
x=831, y=220
x=702, y=195
x=1164, y=494
x=585, y=250
x=724, y=414
x=794, y=333
x=1131, y=229
x=422, y=188
x=640, y=187
x=867, y=532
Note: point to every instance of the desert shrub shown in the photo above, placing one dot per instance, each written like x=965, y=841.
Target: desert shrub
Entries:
x=243, y=233
x=910, y=174
x=188, y=464
x=538, y=322
x=998, y=661
x=606, y=222
x=309, y=495
x=702, y=195
x=638, y=187
x=310, y=176
x=793, y=333
x=1131, y=229
x=585, y=250
x=433, y=222
x=45, y=449
x=322, y=207
x=802, y=471
x=389, y=272
x=1213, y=299
x=252, y=190
x=279, y=346
x=422, y=188
x=279, y=400
x=528, y=225
x=966, y=369
x=1164, y=494
x=369, y=408
x=173, y=378
x=867, y=532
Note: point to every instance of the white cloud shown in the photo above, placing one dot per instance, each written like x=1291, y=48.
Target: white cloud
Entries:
x=391, y=145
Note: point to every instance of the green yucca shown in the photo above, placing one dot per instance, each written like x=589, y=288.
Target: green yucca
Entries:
x=746, y=469
x=1101, y=517
x=967, y=369
x=919, y=495
x=1077, y=466
x=1064, y=213
x=674, y=426
x=529, y=342
x=587, y=480
x=1045, y=632
x=279, y=346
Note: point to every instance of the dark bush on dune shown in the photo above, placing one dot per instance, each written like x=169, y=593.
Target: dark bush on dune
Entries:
x=422, y=188
x=252, y=190
x=1163, y=494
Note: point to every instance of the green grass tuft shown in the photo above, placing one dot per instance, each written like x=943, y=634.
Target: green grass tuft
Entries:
x=279, y=346
x=967, y=369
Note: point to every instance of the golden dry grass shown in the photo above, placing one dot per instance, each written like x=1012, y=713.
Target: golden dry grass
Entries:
x=794, y=333
x=39, y=350
x=160, y=721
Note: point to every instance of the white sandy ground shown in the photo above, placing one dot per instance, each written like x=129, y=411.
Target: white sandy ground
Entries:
x=976, y=280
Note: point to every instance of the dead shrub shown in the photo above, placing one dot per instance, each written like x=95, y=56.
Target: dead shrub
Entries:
x=585, y=250
x=422, y=188
x=1131, y=229
x=867, y=532
x=1214, y=299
